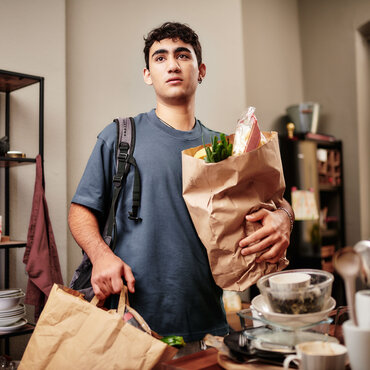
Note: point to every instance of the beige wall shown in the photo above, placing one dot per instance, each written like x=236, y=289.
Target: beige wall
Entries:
x=105, y=63
x=328, y=33
x=32, y=41
x=273, y=63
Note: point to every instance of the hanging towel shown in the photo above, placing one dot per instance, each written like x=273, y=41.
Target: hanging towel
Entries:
x=41, y=255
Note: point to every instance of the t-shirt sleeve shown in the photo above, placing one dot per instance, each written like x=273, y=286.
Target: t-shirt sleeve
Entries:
x=94, y=189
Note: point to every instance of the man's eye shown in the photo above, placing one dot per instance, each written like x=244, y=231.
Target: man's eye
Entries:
x=183, y=56
x=159, y=59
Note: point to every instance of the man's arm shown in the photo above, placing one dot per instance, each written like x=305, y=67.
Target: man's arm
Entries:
x=108, y=269
x=274, y=235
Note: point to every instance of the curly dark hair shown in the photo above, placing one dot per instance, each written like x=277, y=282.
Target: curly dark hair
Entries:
x=174, y=31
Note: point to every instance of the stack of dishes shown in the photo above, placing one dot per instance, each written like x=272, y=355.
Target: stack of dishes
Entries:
x=295, y=298
x=12, y=312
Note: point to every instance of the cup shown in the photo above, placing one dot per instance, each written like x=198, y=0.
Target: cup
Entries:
x=362, y=299
x=318, y=355
x=357, y=341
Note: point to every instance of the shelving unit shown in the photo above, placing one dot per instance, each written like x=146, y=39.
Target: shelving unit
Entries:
x=313, y=242
x=10, y=82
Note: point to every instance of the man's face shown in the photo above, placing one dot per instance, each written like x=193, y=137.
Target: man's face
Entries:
x=173, y=71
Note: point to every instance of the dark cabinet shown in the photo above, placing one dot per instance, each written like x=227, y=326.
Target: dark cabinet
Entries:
x=315, y=166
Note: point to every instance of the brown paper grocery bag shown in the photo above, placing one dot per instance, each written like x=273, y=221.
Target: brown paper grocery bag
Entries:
x=220, y=195
x=73, y=333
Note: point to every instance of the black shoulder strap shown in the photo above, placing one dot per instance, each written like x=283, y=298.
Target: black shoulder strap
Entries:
x=125, y=148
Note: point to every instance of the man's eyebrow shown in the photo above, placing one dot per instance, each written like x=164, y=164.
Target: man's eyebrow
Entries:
x=165, y=51
x=160, y=51
x=182, y=48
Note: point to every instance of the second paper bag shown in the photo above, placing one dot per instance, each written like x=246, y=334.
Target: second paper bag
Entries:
x=220, y=195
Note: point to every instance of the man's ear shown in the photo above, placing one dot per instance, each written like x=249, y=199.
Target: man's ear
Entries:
x=147, y=77
x=202, y=70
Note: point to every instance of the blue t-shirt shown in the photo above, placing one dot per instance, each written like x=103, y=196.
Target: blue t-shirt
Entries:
x=174, y=290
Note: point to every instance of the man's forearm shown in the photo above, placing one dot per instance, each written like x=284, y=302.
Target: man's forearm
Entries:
x=85, y=230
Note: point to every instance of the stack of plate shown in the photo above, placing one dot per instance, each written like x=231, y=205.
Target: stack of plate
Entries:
x=12, y=312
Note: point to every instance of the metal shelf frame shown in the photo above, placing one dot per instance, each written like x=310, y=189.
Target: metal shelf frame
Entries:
x=9, y=82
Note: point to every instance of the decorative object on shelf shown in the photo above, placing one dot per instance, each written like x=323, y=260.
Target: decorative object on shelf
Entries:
x=305, y=116
x=304, y=204
x=290, y=129
x=15, y=154
x=4, y=145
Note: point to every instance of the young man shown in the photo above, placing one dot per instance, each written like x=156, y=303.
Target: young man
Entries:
x=161, y=258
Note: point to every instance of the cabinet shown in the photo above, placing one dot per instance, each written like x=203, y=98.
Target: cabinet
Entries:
x=316, y=166
x=10, y=82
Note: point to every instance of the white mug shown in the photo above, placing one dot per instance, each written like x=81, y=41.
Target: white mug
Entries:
x=318, y=355
x=362, y=300
x=357, y=341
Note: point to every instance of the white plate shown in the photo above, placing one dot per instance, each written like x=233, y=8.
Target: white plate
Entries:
x=292, y=321
x=275, y=341
x=19, y=307
x=17, y=325
x=11, y=320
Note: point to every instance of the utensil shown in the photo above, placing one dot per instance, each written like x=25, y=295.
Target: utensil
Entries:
x=347, y=262
x=363, y=249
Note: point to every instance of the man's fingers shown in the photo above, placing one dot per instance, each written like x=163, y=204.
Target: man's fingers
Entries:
x=129, y=277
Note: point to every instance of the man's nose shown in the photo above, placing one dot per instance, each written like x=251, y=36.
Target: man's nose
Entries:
x=173, y=65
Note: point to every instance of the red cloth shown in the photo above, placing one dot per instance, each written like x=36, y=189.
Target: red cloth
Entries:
x=41, y=255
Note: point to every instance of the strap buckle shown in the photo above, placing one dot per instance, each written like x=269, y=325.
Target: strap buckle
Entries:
x=133, y=216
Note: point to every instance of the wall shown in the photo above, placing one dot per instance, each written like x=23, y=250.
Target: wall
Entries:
x=32, y=41
x=105, y=63
x=328, y=31
x=273, y=63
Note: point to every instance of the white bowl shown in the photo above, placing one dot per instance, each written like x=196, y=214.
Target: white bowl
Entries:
x=289, y=320
x=10, y=292
x=9, y=302
x=299, y=299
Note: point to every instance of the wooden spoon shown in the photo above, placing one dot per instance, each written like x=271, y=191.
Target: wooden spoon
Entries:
x=347, y=262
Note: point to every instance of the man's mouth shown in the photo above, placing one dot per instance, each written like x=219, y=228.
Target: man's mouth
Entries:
x=174, y=80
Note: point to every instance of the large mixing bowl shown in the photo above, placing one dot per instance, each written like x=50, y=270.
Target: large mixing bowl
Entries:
x=295, y=298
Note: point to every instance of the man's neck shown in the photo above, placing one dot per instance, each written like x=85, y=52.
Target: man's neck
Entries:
x=179, y=117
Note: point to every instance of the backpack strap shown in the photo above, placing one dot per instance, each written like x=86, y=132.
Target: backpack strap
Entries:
x=125, y=148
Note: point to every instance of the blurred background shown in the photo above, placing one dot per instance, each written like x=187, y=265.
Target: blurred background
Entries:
x=270, y=54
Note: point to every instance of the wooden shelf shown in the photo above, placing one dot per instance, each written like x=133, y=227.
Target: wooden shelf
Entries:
x=12, y=244
x=27, y=329
x=10, y=81
x=11, y=162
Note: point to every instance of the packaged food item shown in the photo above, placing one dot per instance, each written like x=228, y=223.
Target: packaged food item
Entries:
x=247, y=134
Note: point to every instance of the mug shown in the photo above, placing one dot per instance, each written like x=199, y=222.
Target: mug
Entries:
x=318, y=355
x=357, y=341
x=362, y=299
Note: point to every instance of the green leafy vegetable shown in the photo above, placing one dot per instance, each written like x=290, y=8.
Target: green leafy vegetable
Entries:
x=220, y=149
x=174, y=340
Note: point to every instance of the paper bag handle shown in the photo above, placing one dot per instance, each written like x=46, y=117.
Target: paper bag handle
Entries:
x=123, y=300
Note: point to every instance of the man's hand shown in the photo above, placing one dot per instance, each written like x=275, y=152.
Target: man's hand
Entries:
x=107, y=273
x=108, y=269
x=272, y=238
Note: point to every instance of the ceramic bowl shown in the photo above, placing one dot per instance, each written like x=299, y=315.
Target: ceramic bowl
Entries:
x=7, y=302
x=292, y=321
x=301, y=298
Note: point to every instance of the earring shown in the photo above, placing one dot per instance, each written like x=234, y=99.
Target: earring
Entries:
x=200, y=80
